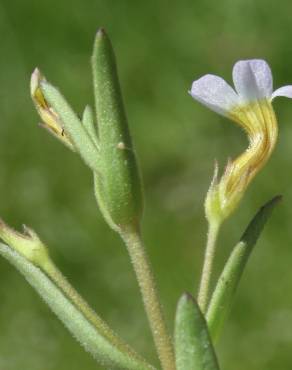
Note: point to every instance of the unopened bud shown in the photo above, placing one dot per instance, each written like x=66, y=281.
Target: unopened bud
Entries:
x=27, y=243
x=50, y=119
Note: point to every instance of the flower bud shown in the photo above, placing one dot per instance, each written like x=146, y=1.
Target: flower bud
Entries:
x=27, y=244
x=50, y=119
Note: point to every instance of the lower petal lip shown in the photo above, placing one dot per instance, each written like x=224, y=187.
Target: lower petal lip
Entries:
x=215, y=93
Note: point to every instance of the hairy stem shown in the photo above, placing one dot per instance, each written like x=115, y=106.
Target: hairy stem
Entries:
x=205, y=282
x=58, y=278
x=141, y=264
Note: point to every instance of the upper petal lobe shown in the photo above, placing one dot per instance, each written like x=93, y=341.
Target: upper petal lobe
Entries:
x=252, y=79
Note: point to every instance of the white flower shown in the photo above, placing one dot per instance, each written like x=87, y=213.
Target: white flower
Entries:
x=249, y=105
x=252, y=80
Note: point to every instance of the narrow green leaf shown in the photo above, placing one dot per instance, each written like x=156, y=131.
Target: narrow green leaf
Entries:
x=109, y=355
x=225, y=289
x=119, y=190
x=193, y=346
x=72, y=125
x=89, y=124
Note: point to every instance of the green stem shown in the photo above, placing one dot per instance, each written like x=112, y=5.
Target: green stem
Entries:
x=205, y=282
x=141, y=264
x=57, y=277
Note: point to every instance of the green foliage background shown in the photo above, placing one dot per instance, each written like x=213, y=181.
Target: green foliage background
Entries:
x=161, y=46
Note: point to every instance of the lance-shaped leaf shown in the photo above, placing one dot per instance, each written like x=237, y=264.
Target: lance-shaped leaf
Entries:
x=225, y=289
x=102, y=349
x=193, y=346
x=118, y=190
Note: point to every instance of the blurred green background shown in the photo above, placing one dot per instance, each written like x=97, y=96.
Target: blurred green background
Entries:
x=161, y=46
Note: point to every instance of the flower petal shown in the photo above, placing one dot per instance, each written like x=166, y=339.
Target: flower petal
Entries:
x=252, y=79
x=283, y=91
x=215, y=93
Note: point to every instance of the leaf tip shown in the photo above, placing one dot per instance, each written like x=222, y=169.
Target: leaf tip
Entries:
x=186, y=297
x=101, y=36
x=277, y=199
x=255, y=227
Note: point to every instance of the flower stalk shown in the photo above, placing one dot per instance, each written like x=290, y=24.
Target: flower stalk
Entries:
x=147, y=284
x=205, y=283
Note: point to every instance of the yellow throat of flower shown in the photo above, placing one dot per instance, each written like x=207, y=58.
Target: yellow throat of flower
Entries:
x=259, y=122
